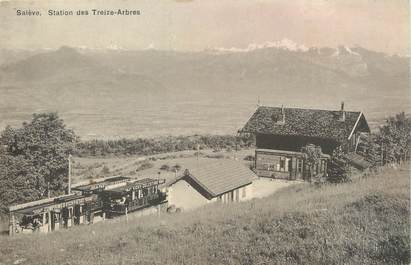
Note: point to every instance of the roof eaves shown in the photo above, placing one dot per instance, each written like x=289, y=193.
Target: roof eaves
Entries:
x=225, y=191
x=202, y=185
x=301, y=135
x=355, y=125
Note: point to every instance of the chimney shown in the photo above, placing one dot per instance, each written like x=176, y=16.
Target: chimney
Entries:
x=342, y=117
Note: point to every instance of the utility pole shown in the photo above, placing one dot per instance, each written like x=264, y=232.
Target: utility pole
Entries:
x=198, y=153
x=69, y=175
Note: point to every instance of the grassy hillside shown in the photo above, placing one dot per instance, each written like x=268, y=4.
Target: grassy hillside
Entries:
x=364, y=222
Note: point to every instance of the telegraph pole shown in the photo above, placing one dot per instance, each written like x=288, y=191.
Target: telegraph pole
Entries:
x=69, y=175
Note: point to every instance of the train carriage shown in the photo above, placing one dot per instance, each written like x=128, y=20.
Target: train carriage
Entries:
x=133, y=196
x=90, y=203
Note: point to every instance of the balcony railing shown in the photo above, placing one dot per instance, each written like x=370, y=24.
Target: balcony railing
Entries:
x=149, y=200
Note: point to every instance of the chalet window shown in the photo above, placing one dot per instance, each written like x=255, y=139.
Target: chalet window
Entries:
x=243, y=194
x=283, y=162
x=267, y=166
x=300, y=166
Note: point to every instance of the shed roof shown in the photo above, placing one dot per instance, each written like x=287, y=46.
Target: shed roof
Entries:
x=220, y=176
x=358, y=161
x=305, y=122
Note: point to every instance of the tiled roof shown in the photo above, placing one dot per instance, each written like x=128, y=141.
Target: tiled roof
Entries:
x=303, y=122
x=220, y=176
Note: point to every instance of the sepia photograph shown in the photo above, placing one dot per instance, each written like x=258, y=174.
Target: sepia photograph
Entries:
x=229, y=132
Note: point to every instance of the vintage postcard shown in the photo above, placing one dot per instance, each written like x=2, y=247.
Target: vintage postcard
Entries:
x=205, y=132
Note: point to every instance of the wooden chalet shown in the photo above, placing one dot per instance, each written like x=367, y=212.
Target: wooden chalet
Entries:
x=281, y=133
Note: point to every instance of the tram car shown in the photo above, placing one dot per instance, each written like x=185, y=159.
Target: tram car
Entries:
x=133, y=196
x=51, y=214
x=89, y=203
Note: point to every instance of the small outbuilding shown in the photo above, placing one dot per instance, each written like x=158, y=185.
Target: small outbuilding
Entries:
x=211, y=180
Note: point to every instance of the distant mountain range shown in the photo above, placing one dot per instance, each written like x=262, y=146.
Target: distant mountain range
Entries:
x=103, y=82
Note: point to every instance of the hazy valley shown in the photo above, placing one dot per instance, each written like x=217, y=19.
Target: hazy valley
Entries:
x=118, y=93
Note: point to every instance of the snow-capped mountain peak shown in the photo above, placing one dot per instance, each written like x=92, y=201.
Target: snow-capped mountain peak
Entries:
x=285, y=44
x=115, y=47
x=344, y=50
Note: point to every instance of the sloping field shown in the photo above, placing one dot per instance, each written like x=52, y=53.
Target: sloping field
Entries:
x=364, y=222
x=85, y=168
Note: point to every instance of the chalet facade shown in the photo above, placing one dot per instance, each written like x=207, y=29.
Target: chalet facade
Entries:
x=216, y=180
x=281, y=133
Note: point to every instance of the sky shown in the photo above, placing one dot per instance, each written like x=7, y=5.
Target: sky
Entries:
x=380, y=25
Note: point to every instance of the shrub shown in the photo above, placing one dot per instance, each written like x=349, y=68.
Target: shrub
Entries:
x=338, y=171
x=105, y=171
x=165, y=167
x=144, y=166
x=176, y=167
x=338, y=168
x=217, y=156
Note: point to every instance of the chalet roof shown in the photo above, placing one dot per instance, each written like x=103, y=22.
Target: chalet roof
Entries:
x=220, y=176
x=304, y=122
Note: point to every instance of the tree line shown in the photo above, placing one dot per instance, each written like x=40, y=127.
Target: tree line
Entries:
x=158, y=145
x=33, y=159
